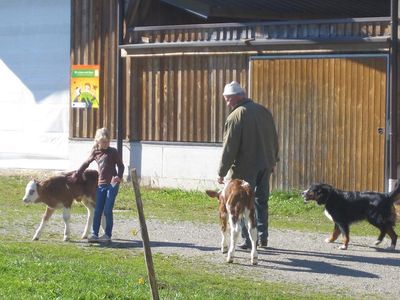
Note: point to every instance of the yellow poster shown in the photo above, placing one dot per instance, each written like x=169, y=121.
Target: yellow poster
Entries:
x=85, y=86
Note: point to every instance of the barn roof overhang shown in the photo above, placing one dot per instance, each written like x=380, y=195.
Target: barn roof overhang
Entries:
x=355, y=34
x=258, y=46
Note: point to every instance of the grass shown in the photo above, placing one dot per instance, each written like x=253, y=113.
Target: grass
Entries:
x=65, y=271
x=54, y=270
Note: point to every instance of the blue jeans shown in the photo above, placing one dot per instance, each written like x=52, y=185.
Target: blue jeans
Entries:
x=105, y=199
x=260, y=183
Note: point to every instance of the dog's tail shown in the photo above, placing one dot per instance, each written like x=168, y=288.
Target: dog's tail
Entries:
x=395, y=194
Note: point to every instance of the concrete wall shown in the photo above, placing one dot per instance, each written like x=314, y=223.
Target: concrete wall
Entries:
x=185, y=166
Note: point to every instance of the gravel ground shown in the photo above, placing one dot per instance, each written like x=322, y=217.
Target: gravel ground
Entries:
x=362, y=272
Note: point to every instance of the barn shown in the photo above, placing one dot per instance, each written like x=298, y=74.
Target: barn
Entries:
x=323, y=68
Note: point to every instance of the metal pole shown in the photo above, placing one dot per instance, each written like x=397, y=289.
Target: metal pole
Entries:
x=120, y=32
x=145, y=237
x=393, y=95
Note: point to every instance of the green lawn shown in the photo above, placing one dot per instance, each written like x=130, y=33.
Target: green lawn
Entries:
x=67, y=271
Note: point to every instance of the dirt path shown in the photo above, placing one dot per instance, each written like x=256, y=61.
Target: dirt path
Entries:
x=362, y=271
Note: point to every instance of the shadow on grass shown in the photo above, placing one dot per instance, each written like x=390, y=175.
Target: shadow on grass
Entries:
x=155, y=244
x=123, y=244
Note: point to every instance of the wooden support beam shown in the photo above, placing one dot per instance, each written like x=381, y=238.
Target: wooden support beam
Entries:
x=145, y=237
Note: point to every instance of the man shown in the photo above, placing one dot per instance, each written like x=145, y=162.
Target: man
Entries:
x=250, y=152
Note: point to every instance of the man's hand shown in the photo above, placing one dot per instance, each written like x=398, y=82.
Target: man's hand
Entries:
x=220, y=180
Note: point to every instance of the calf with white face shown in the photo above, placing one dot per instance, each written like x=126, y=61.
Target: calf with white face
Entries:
x=236, y=202
x=60, y=192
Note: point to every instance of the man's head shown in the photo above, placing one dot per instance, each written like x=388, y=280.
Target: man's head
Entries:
x=233, y=94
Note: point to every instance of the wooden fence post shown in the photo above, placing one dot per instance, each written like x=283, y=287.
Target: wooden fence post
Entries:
x=145, y=237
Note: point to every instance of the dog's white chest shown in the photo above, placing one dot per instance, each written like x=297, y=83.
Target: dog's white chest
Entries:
x=327, y=214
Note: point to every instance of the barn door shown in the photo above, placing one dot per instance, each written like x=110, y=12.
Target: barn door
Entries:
x=330, y=114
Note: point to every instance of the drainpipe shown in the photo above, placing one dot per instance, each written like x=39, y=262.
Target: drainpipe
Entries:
x=393, y=95
x=120, y=33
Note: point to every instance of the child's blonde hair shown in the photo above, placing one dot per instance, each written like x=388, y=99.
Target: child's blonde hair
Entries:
x=101, y=134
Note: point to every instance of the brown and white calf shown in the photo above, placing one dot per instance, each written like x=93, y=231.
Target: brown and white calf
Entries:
x=59, y=192
x=236, y=202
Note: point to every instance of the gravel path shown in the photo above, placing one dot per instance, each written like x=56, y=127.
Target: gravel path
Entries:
x=363, y=271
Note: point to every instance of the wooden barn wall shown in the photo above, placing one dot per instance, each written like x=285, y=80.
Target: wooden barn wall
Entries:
x=179, y=98
x=94, y=41
x=328, y=112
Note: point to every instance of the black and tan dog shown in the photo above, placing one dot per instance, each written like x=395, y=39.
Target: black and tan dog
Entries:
x=344, y=208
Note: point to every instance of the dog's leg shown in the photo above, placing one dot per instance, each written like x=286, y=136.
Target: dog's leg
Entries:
x=345, y=229
x=235, y=231
x=381, y=236
x=335, y=234
x=89, y=220
x=46, y=216
x=66, y=217
x=393, y=236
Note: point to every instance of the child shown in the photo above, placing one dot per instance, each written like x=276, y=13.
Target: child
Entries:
x=106, y=158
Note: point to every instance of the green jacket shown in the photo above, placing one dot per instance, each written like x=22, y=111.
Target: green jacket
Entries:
x=250, y=141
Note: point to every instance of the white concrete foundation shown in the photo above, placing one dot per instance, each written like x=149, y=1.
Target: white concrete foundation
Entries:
x=184, y=166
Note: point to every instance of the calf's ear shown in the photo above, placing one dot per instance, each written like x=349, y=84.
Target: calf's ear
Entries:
x=212, y=194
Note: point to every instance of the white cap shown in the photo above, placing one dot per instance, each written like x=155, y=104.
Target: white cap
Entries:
x=232, y=88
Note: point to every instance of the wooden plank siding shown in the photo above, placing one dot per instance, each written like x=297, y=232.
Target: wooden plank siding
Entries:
x=179, y=98
x=94, y=41
x=328, y=111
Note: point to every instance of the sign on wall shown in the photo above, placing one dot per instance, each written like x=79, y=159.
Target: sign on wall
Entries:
x=85, y=86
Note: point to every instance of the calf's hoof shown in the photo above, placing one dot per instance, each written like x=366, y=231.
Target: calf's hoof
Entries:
x=229, y=260
x=254, y=261
x=377, y=242
x=66, y=239
x=343, y=247
x=224, y=250
x=328, y=240
x=35, y=238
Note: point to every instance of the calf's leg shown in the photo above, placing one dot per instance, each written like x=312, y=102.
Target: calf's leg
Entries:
x=67, y=217
x=89, y=220
x=224, y=234
x=46, y=216
x=253, y=238
x=235, y=232
x=224, y=241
